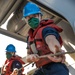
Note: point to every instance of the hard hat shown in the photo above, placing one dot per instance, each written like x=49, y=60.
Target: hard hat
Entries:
x=10, y=48
x=30, y=9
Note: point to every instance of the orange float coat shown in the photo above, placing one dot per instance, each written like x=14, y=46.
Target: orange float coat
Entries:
x=35, y=36
x=6, y=70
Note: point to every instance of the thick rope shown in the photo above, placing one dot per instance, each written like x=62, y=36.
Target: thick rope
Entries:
x=59, y=53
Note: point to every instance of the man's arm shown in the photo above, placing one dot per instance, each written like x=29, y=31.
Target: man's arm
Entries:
x=51, y=37
x=53, y=43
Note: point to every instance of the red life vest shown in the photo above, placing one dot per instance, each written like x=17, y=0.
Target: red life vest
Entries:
x=35, y=36
x=6, y=70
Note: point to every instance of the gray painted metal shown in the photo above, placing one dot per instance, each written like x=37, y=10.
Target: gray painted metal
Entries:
x=71, y=69
x=64, y=7
x=7, y=8
x=13, y=35
x=67, y=34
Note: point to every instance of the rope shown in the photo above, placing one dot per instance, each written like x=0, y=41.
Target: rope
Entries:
x=59, y=53
x=25, y=66
x=69, y=52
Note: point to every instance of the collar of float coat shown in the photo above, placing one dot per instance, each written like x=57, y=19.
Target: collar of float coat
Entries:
x=16, y=57
x=44, y=22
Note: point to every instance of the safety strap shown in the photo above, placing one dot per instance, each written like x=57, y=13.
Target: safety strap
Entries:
x=34, y=50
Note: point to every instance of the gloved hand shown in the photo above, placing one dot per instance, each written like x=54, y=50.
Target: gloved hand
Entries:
x=32, y=58
x=63, y=56
x=60, y=58
x=15, y=72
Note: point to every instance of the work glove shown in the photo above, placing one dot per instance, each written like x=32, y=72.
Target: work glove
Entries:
x=32, y=58
x=15, y=72
x=59, y=58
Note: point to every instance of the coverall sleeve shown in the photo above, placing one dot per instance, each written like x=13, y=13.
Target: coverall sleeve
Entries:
x=50, y=31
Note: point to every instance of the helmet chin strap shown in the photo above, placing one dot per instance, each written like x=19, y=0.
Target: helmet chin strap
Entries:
x=39, y=17
x=26, y=20
x=13, y=54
